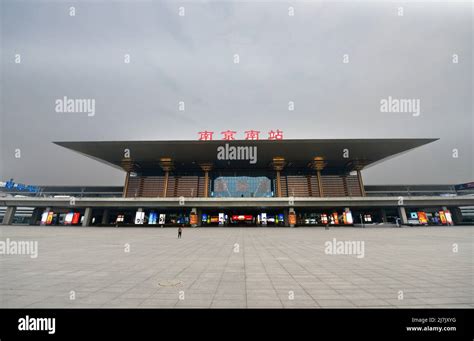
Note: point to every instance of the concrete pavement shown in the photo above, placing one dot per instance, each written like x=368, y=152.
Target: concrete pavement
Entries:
x=238, y=268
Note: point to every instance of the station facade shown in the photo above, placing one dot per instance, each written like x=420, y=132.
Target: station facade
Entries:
x=244, y=183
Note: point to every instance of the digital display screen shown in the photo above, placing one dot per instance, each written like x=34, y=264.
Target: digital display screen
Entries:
x=242, y=186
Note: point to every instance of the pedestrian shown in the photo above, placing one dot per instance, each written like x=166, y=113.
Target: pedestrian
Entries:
x=180, y=230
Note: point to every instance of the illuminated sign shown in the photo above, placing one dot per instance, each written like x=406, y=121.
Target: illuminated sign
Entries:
x=324, y=218
x=449, y=219
x=193, y=218
x=242, y=217
x=68, y=218
x=281, y=218
x=49, y=219
x=442, y=217
x=152, y=218
x=229, y=135
x=11, y=185
x=76, y=218
x=422, y=218
x=44, y=217
x=347, y=217
x=139, y=217
x=221, y=218
x=292, y=218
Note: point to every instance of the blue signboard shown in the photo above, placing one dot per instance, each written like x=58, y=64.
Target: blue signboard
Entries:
x=11, y=185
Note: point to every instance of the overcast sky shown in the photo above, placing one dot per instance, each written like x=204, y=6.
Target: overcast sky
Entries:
x=191, y=58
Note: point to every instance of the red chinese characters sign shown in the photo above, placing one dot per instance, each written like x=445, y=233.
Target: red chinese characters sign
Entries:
x=205, y=135
x=229, y=135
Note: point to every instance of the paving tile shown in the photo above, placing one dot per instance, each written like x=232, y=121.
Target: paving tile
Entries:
x=269, y=265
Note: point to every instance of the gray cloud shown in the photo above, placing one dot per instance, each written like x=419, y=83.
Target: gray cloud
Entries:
x=190, y=58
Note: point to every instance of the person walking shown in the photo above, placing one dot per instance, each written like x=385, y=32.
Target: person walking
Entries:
x=180, y=230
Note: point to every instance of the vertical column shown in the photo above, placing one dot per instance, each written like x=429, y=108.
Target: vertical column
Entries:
x=456, y=215
x=35, y=216
x=199, y=217
x=318, y=165
x=206, y=184
x=127, y=166
x=278, y=184
x=320, y=184
x=383, y=214
x=403, y=215
x=358, y=165
x=193, y=217
x=9, y=215
x=125, y=187
x=291, y=217
x=206, y=167
x=86, y=221
x=285, y=214
x=166, y=164
x=165, y=185
x=361, y=183
x=105, y=217
x=278, y=165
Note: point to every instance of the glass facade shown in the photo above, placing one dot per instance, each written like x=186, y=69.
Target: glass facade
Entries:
x=242, y=186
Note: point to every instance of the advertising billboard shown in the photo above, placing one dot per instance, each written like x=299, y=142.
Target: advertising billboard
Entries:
x=152, y=218
x=139, y=217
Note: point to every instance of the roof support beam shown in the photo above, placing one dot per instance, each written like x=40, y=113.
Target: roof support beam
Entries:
x=206, y=167
x=318, y=165
x=166, y=163
x=278, y=164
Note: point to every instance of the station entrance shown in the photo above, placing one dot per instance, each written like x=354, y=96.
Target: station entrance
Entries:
x=242, y=217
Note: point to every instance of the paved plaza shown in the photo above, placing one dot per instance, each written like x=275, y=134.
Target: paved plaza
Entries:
x=238, y=268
